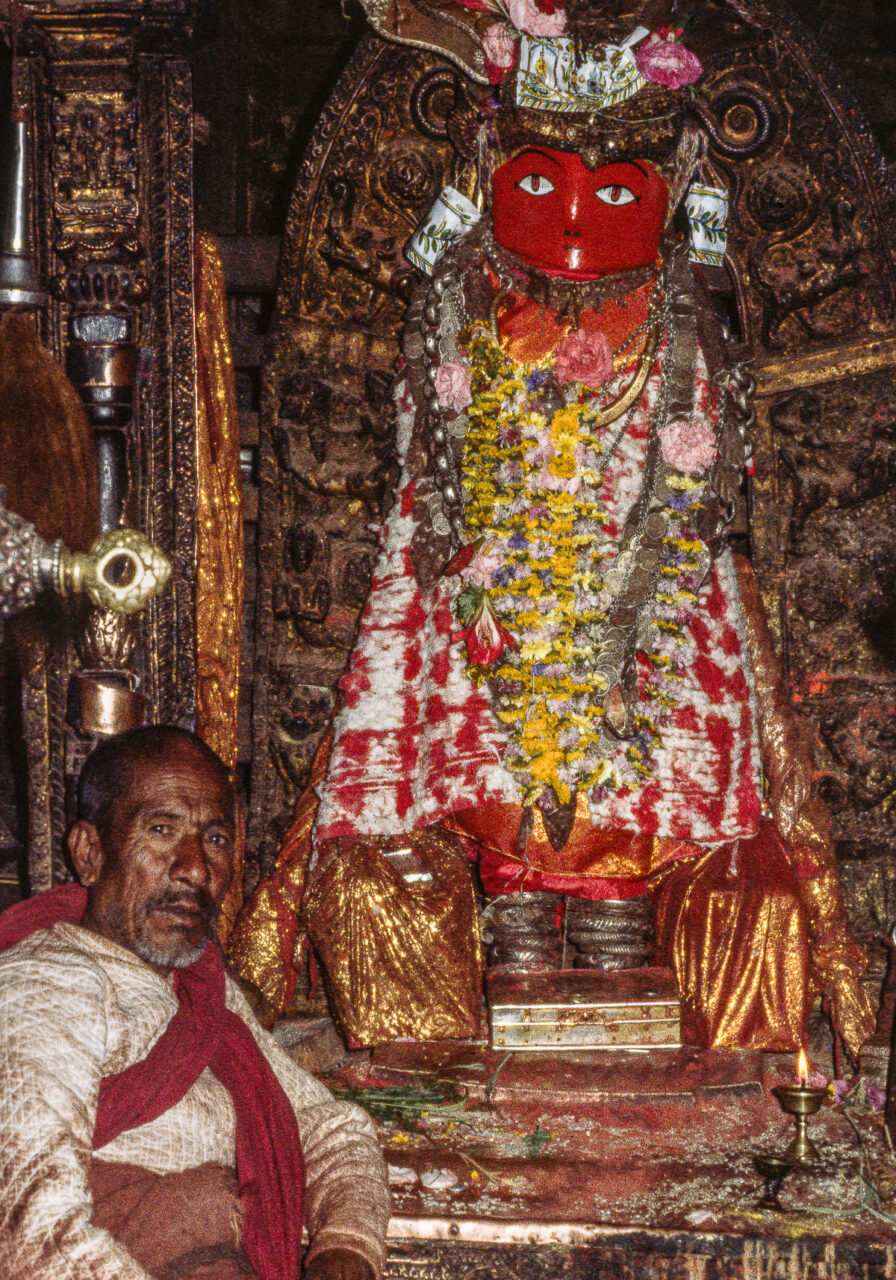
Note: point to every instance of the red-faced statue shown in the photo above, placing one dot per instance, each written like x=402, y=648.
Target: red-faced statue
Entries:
x=558, y=215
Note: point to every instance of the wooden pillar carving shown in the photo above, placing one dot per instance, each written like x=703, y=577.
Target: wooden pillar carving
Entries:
x=107, y=89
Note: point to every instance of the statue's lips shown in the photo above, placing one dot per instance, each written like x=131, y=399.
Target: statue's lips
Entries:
x=568, y=273
x=565, y=273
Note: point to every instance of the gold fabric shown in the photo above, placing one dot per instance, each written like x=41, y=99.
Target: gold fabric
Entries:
x=262, y=945
x=219, y=538
x=732, y=925
x=403, y=958
x=530, y=332
x=836, y=960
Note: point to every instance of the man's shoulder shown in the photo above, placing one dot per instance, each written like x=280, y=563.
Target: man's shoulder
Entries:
x=51, y=958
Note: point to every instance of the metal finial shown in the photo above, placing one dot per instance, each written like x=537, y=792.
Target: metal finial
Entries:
x=20, y=285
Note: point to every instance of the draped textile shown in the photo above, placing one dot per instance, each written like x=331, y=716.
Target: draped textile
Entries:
x=263, y=944
x=416, y=741
x=219, y=533
x=732, y=925
x=203, y=1033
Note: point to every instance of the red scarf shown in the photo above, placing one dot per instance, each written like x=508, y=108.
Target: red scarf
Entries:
x=203, y=1033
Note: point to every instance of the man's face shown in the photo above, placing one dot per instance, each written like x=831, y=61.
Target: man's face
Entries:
x=556, y=214
x=156, y=883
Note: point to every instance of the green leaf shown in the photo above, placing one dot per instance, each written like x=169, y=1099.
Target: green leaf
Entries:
x=468, y=603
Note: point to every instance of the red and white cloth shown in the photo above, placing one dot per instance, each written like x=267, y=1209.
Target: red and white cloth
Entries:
x=415, y=739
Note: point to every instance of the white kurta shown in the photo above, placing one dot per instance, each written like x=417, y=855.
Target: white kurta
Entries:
x=75, y=1008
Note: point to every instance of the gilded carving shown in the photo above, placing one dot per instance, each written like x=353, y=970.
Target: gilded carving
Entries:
x=95, y=174
x=111, y=109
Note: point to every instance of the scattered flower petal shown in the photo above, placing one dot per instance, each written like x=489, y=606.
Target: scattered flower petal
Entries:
x=875, y=1095
x=839, y=1089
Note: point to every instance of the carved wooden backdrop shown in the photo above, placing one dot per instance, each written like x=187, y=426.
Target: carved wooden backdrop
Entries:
x=813, y=261
x=107, y=89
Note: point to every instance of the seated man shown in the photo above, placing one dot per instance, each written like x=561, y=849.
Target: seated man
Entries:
x=148, y=1126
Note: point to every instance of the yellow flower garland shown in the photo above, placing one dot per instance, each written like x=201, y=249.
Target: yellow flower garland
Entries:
x=531, y=485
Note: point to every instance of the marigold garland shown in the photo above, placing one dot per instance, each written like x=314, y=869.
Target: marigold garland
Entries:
x=532, y=479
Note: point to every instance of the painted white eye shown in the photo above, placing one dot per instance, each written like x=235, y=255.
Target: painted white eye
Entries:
x=615, y=194
x=536, y=184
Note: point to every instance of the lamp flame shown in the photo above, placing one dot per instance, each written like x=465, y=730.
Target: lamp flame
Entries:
x=802, y=1068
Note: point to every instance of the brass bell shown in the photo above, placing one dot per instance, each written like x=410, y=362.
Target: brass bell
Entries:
x=20, y=285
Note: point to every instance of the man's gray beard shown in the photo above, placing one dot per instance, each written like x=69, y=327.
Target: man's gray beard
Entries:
x=169, y=958
x=176, y=956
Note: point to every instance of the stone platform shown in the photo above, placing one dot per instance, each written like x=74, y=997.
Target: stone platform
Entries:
x=616, y=1166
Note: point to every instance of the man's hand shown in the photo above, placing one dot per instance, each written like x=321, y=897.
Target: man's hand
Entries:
x=339, y=1264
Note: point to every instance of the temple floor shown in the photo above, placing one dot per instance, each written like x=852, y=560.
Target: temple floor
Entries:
x=617, y=1164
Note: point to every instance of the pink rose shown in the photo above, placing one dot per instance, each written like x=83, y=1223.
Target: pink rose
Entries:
x=687, y=446
x=500, y=48
x=584, y=357
x=453, y=386
x=662, y=60
x=482, y=568
x=527, y=17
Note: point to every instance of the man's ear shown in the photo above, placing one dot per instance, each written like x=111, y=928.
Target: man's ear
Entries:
x=87, y=851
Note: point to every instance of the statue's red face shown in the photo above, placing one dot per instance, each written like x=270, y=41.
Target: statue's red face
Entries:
x=564, y=218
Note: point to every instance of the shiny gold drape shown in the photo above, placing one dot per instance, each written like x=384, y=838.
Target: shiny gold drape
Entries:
x=753, y=929
x=401, y=952
x=403, y=957
x=836, y=960
x=263, y=942
x=219, y=523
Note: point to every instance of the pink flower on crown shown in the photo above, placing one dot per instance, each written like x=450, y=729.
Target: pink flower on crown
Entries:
x=532, y=21
x=662, y=60
x=687, y=446
x=501, y=51
x=583, y=356
x=452, y=383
